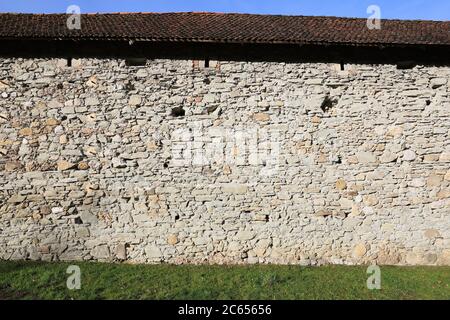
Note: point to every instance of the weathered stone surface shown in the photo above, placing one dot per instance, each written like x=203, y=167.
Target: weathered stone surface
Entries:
x=370, y=200
x=57, y=210
x=261, y=117
x=395, y=131
x=4, y=85
x=443, y=194
x=172, y=239
x=413, y=258
x=445, y=258
x=346, y=203
x=418, y=182
x=432, y=233
x=83, y=165
x=447, y=176
x=54, y=104
x=25, y=132
x=245, y=235
x=135, y=100
x=63, y=139
x=438, y=82
x=431, y=157
x=91, y=101
x=209, y=98
x=88, y=217
x=12, y=165
x=366, y=157
x=316, y=120
x=409, y=155
x=434, y=180
x=235, y=188
x=256, y=169
x=64, y=165
x=92, y=81
x=76, y=194
x=51, y=122
x=68, y=110
x=121, y=251
x=323, y=213
x=341, y=184
x=152, y=146
x=388, y=156
x=83, y=232
x=226, y=169
x=90, y=151
x=445, y=157
x=317, y=81
x=100, y=252
x=16, y=199
x=45, y=249
x=359, y=250
x=430, y=258
x=153, y=252
x=355, y=211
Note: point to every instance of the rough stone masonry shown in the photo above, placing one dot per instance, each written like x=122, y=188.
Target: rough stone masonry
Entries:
x=100, y=161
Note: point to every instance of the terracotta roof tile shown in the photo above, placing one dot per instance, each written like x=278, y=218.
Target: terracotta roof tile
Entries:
x=216, y=27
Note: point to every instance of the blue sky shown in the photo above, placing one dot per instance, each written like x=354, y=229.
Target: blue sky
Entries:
x=390, y=9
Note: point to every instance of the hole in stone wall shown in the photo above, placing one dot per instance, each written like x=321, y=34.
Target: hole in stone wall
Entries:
x=210, y=110
x=267, y=218
x=327, y=104
x=342, y=66
x=177, y=217
x=129, y=86
x=206, y=81
x=69, y=62
x=166, y=165
x=428, y=102
x=178, y=112
x=78, y=220
x=59, y=86
x=63, y=118
x=207, y=63
x=337, y=160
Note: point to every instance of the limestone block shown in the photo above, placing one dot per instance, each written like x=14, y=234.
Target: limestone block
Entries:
x=366, y=157
x=64, y=165
x=359, y=250
x=235, y=188
x=153, y=252
x=135, y=100
x=100, y=252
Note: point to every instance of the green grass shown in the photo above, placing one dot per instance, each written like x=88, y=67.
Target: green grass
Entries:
x=39, y=280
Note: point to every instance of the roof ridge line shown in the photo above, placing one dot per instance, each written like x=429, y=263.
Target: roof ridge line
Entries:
x=220, y=14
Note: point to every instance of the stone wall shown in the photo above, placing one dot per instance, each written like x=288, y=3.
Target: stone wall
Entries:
x=232, y=163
